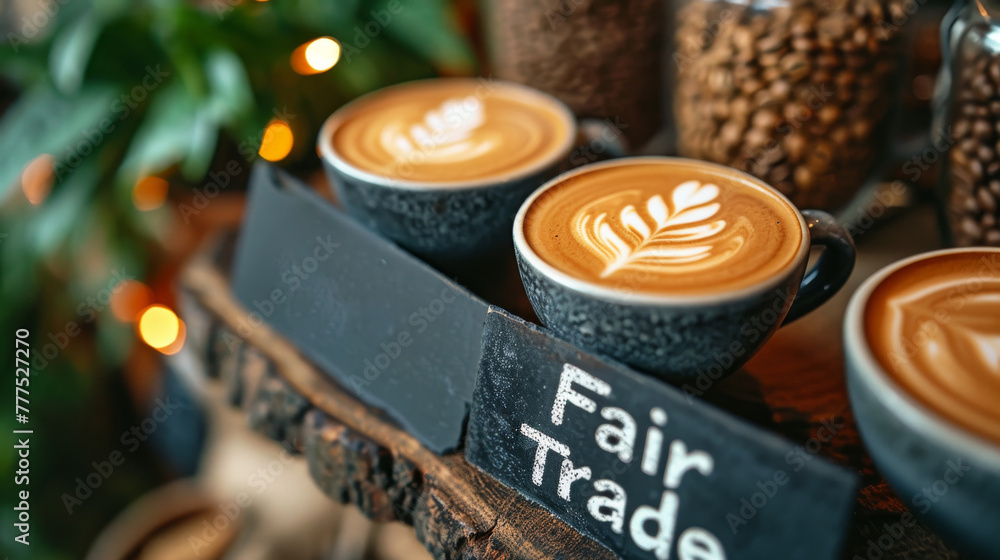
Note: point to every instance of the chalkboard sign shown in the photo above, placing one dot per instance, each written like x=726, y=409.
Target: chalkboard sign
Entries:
x=380, y=322
x=639, y=467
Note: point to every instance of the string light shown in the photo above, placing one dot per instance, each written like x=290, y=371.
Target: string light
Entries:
x=316, y=56
x=149, y=193
x=130, y=297
x=160, y=328
x=37, y=178
x=277, y=141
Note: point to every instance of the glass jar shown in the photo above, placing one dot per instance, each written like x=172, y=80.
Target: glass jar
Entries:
x=796, y=92
x=602, y=58
x=969, y=123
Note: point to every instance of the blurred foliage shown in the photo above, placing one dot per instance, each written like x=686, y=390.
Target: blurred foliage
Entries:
x=115, y=90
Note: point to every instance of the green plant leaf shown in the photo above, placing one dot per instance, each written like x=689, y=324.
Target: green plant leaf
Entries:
x=71, y=51
x=424, y=27
x=204, y=133
x=230, y=95
x=61, y=213
x=44, y=122
x=175, y=129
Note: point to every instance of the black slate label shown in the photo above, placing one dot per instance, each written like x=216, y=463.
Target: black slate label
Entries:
x=381, y=323
x=634, y=464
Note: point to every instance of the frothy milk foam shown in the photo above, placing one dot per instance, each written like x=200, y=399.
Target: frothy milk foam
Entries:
x=934, y=326
x=453, y=130
x=670, y=227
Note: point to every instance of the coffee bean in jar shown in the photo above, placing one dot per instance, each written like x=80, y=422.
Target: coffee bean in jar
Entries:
x=795, y=92
x=972, y=182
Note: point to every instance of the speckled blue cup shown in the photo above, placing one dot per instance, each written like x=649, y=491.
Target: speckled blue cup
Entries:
x=941, y=471
x=694, y=340
x=444, y=222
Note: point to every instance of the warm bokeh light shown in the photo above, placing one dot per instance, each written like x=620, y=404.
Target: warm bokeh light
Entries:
x=159, y=327
x=37, y=178
x=149, y=192
x=178, y=342
x=277, y=141
x=128, y=299
x=318, y=55
x=323, y=53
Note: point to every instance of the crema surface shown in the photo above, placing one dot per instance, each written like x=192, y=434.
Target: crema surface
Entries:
x=672, y=228
x=453, y=130
x=934, y=326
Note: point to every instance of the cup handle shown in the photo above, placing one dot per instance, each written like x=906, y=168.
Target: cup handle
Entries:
x=832, y=268
x=602, y=139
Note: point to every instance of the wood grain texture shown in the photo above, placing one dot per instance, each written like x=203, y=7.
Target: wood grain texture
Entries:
x=358, y=457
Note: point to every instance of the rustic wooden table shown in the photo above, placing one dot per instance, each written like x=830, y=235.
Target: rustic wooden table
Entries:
x=795, y=387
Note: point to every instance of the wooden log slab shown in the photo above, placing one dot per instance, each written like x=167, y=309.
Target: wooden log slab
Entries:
x=357, y=456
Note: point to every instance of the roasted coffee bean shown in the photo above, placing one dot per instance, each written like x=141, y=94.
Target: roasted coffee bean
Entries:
x=974, y=157
x=795, y=146
x=961, y=128
x=985, y=153
x=828, y=114
x=971, y=228
x=976, y=169
x=766, y=120
x=986, y=200
x=982, y=129
x=806, y=88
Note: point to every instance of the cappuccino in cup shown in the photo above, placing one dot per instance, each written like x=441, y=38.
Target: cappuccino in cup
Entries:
x=678, y=267
x=663, y=228
x=922, y=350
x=440, y=166
x=934, y=327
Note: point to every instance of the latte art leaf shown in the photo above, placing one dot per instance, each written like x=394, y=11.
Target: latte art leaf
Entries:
x=652, y=238
x=447, y=132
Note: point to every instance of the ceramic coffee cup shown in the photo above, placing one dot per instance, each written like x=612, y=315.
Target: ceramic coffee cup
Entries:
x=440, y=166
x=937, y=442
x=677, y=267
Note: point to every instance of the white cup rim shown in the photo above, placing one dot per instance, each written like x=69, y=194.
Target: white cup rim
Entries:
x=663, y=299
x=915, y=414
x=329, y=153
